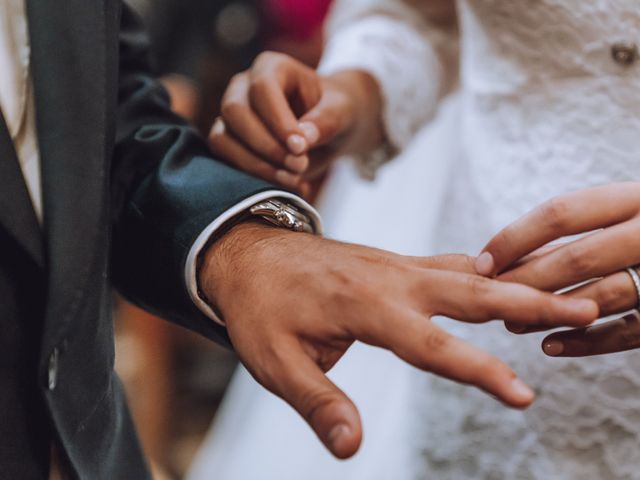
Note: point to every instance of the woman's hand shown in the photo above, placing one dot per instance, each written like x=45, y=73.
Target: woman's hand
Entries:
x=283, y=122
x=608, y=337
x=611, y=216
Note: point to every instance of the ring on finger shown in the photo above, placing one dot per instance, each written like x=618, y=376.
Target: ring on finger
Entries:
x=633, y=273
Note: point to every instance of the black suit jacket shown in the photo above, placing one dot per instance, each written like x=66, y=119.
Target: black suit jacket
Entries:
x=127, y=187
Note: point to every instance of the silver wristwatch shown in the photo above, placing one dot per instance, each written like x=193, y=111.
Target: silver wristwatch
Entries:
x=283, y=215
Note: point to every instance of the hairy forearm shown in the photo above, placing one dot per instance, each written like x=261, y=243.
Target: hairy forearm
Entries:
x=232, y=257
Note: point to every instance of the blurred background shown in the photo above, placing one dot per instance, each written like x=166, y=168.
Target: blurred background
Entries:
x=175, y=379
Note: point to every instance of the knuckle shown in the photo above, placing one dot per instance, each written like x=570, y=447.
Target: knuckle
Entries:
x=233, y=109
x=314, y=400
x=269, y=56
x=580, y=259
x=260, y=85
x=259, y=90
x=478, y=286
x=609, y=297
x=435, y=339
x=237, y=79
x=555, y=213
x=272, y=150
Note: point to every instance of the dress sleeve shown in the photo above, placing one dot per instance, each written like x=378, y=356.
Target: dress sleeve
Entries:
x=410, y=47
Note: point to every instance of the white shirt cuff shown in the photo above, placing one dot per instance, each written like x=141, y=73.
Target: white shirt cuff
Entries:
x=203, y=238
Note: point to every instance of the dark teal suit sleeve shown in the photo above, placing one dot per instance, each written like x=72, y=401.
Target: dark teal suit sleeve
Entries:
x=166, y=189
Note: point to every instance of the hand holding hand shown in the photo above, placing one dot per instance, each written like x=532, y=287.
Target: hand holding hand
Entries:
x=283, y=122
x=294, y=303
x=612, y=214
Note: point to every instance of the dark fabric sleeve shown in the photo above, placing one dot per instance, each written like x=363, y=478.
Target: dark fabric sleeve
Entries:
x=166, y=188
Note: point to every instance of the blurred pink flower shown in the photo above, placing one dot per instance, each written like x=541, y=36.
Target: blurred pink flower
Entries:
x=296, y=18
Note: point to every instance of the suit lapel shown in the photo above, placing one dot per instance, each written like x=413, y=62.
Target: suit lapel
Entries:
x=69, y=67
x=16, y=210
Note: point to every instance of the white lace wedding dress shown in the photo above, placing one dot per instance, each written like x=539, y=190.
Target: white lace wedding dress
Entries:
x=547, y=101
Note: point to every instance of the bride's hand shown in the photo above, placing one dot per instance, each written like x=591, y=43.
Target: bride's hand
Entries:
x=285, y=123
x=611, y=214
x=608, y=337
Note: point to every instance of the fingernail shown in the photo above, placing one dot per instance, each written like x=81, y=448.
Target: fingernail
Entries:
x=521, y=389
x=310, y=131
x=285, y=178
x=337, y=435
x=485, y=264
x=295, y=163
x=553, y=348
x=296, y=144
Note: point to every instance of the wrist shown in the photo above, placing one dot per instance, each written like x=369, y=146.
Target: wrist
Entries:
x=364, y=94
x=231, y=260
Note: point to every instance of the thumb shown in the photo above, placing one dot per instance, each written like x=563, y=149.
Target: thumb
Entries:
x=328, y=411
x=326, y=121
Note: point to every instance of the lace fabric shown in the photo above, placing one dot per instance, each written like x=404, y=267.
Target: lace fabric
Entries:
x=545, y=110
x=583, y=425
x=384, y=39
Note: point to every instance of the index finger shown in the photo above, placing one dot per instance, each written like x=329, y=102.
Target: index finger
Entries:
x=270, y=98
x=570, y=214
x=245, y=124
x=614, y=336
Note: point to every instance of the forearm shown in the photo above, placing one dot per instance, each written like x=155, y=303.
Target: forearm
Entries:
x=363, y=90
x=409, y=49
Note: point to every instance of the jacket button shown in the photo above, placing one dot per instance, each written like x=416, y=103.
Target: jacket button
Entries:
x=53, y=369
x=624, y=53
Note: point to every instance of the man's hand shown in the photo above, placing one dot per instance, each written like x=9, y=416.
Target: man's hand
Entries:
x=294, y=303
